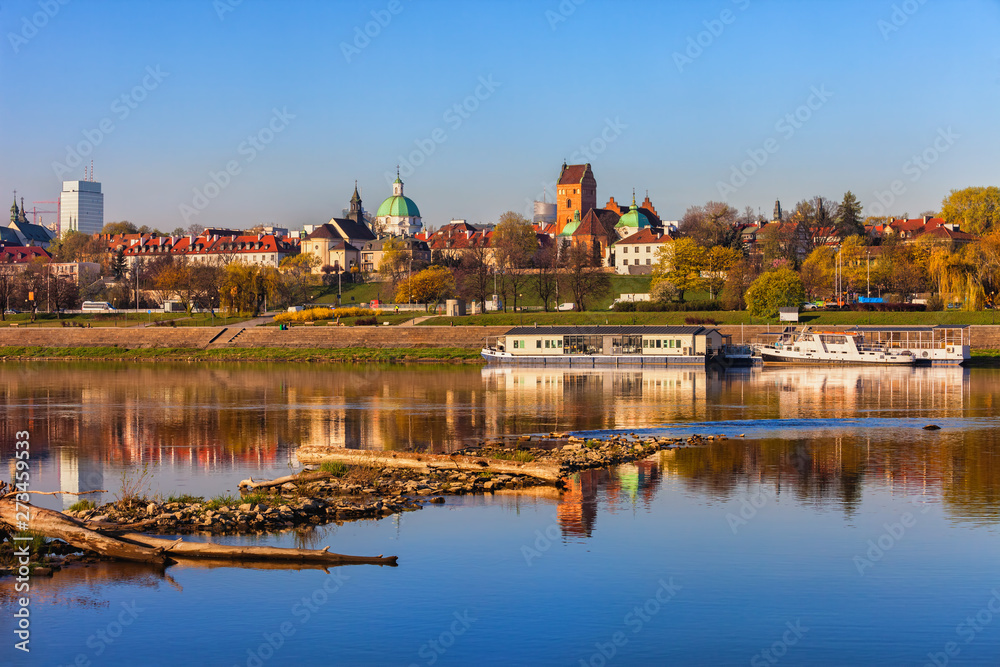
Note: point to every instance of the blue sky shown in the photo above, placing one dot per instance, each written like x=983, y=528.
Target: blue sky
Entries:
x=741, y=100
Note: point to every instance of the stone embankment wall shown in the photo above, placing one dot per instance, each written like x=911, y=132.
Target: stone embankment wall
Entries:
x=983, y=337
x=250, y=337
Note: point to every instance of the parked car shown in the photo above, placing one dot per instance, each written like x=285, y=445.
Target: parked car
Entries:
x=11, y=311
x=809, y=306
x=567, y=306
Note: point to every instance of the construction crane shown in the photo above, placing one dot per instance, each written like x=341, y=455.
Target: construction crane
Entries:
x=35, y=212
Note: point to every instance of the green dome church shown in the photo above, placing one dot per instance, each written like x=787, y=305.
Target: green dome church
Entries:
x=398, y=215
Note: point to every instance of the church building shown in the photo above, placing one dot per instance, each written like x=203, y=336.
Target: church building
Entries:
x=398, y=215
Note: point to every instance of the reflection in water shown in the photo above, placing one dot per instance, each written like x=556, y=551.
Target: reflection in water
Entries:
x=820, y=433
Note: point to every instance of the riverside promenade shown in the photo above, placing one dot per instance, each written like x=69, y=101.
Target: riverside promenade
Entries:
x=984, y=337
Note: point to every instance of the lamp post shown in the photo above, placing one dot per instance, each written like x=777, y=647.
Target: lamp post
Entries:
x=869, y=273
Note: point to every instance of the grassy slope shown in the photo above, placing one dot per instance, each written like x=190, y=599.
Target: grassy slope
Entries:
x=720, y=317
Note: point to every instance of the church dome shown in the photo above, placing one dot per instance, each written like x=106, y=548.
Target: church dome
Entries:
x=397, y=205
x=633, y=219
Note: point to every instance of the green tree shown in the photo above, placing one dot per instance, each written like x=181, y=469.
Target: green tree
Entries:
x=123, y=227
x=430, y=286
x=738, y=280
x=681, y=263
x=849, y=220
x=582, y=278
x=118, y=267
x=514, y=245
x=297, y=276
x=974, y=210
x=711, y=225
x=547, y=274
x=773, y=290
x=718, y=261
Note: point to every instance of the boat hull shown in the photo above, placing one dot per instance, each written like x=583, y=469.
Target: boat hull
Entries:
x=592, y=360
x=772, y=357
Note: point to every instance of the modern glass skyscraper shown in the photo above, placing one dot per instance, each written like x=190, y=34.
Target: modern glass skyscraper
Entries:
x=81, y=207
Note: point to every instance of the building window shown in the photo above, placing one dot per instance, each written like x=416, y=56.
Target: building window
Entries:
x=678, y=342
x=637, y=249
x=647, y=249
x=671, y=343
x=624, y=248
x=538, y=344
x=568, y=203
x=624, y=262
x=648, y=261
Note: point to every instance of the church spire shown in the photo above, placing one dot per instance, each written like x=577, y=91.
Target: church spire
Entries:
x=13, y=209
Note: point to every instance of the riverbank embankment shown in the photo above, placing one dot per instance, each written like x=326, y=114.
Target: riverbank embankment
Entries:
x=307, y=343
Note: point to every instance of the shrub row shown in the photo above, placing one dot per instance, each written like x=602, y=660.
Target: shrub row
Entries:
x=666, y=306
x=888, y=307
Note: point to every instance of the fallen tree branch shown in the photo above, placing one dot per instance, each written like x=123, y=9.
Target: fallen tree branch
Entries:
x=549, y=471
x=57, y=525
x=109, y=540
x=241, y=553
x=67, y=493
x=294, y=479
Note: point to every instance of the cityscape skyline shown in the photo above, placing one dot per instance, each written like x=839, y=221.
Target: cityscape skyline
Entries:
x=231, y=114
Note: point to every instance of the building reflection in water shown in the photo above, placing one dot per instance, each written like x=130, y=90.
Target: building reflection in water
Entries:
x=87, y=420
x=626, y=485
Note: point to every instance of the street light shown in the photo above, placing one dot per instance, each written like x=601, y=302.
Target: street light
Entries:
x=869, y=273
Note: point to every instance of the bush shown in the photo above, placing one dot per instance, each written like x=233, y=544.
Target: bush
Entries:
x=366, y=322
x=887, y=307
x=690, y=319
x=935, y=303
x=307, y=315
x=354, y=311
x=666, y=306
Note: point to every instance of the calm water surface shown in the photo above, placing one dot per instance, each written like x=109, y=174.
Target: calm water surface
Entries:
x=835, y=531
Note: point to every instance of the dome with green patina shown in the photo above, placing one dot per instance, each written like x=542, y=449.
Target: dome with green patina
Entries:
x=633, y=219
x=572, y=226
x=397, y=205
x=400, y=206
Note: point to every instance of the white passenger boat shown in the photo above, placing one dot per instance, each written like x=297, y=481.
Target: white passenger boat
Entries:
x=828, y=347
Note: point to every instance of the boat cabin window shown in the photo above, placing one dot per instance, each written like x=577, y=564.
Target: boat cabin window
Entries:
x=538, y=343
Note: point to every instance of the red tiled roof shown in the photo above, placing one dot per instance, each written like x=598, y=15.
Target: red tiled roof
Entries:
x=22, y=254
x=645, y=235
x=573, y=173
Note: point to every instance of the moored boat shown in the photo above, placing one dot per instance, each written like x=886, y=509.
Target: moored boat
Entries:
x=616, y=346
x=828, y=347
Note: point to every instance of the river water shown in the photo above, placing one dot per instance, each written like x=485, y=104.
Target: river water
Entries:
x=829, y=527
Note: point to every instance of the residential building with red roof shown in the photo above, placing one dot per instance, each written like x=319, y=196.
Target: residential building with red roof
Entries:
x=637, y=254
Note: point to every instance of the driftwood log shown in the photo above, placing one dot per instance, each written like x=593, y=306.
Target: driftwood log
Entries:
x=109, y=540
x=551, y=472
x=304, y=476
x=57, y=525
